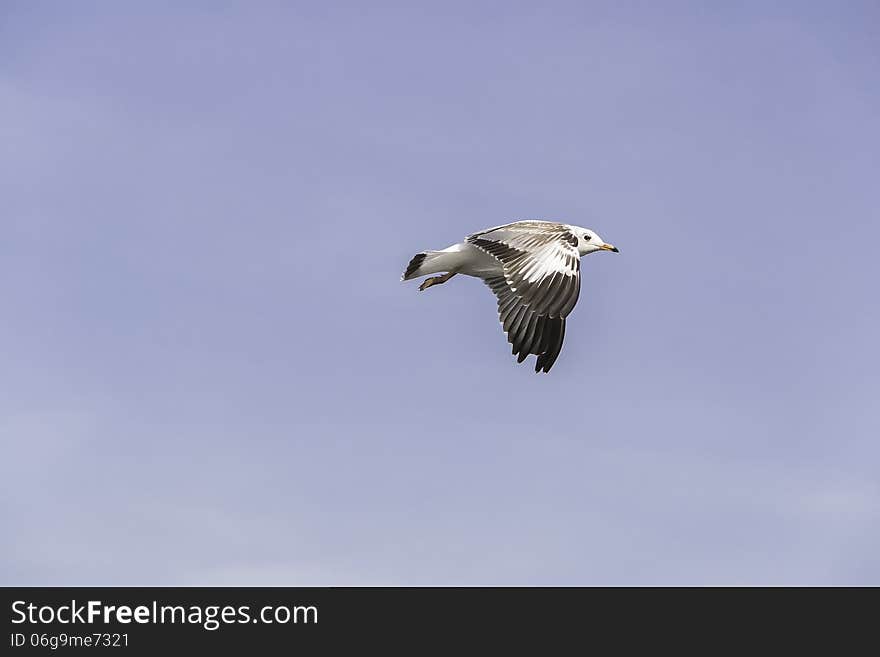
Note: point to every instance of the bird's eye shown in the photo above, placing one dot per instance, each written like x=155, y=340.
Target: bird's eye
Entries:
x=586, y=238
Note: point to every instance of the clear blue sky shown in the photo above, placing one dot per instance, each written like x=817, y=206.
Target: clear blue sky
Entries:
x=212, y=375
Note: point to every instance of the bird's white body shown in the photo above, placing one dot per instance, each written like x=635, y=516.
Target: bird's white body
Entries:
x=462, y=258
x=532, y=267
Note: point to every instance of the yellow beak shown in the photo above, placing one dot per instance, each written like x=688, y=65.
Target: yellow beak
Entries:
x=609, y=247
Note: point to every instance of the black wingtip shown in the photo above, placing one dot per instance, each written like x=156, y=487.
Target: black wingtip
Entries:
x=551, y=345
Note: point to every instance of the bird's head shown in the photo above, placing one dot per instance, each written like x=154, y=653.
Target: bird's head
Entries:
x=590, y=242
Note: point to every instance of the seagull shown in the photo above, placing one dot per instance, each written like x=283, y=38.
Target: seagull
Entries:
x=533, y=267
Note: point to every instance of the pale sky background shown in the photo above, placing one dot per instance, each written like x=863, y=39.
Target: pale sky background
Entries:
x=211, y=373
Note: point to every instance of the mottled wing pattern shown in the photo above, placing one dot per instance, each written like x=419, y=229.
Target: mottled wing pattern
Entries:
x=539, y=288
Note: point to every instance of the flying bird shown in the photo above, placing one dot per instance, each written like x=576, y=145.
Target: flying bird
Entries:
x=534, y=269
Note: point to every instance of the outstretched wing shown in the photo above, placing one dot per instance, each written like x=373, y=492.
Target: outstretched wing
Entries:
x=539, y=288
